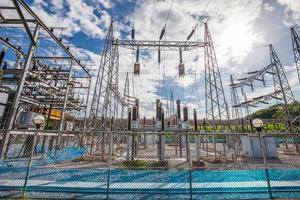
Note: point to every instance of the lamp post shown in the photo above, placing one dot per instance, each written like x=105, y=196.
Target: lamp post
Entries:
x=38, y=121
x=258, y=123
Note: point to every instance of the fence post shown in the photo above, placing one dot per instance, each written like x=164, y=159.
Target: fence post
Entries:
x=190, y=181
x=109, y=169
x=263, y=147
x=189, y=165
x=30, y=162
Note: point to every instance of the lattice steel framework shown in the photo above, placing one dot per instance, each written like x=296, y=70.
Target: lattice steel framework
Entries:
x=106, y=98
x=216, y=105
x=282, y=91
x=296, y=50
x=281, y=84
x=236, y=111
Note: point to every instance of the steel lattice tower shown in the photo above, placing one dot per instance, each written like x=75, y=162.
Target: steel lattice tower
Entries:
x=296, y=50
x=281, y=84
x=216, y=105
x=286, y=95
x=105, y=99
x=236, y=111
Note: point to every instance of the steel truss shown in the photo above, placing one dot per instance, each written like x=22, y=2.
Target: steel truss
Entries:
x=236, y=111
x=296, y=49
x=282, y=92
x=44, y=81
x=216, y=105
x=162, y=45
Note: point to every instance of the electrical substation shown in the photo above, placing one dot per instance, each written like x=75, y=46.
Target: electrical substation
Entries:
x=90, y=123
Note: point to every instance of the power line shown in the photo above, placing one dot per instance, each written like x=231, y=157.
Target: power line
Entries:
x=198, y=22
x=164, y=28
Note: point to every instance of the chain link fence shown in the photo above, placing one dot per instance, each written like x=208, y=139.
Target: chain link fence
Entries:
x=150, y=165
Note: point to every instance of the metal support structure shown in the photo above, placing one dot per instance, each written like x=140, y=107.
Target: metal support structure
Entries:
x=281, y=84
x=21, y=83
x=64, y=108
x=17, y=6
x=107, y=101
x=32, y=86
x=159, y=45
x=296, y=49
x=216, y=105
x=85, y=112
x=51, y=34
x=236, y=111
x=282, y=91
x=286, y=95
x=106, y=83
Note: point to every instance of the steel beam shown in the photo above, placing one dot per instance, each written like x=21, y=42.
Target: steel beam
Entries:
x=11, y=46
x=162, y=45
x=254, y=76
x=16, y=101
x=56, y=39
x=33, y=41
x=63, y=112
x=16, y=21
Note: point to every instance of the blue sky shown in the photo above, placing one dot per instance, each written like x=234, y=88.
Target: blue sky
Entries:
x=241, y=30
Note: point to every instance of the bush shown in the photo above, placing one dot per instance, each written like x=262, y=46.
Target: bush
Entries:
x=141, y=164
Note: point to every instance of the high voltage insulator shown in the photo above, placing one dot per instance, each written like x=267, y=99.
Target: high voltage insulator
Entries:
x=195, y=120
x=132, y=33
x=162, y=120
x=181, y=65
x=191, y=34
x=134, y=113
x=180, y=55
x=178, y=110
x=159, y=58
x=136, y=69
x=185, y=114
x=2, y=55
x=137, y=108
x=162, y=33
x=181, y=70
x=157, y=104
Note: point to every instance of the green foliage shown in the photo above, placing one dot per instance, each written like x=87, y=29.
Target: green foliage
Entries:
x=276, y=111
x=134, y=164
x=141, y=164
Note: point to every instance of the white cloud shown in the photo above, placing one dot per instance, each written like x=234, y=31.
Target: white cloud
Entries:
x=232, y=24
x=76, y=16
x=292, y=11
x=232, y=27
x=268, y=7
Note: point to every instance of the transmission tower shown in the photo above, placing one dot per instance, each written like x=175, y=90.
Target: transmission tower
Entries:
x=236, y=111
x=107, y=101
x=296, y=50
x=281, y=84
x=106, y=95
x=216, y=105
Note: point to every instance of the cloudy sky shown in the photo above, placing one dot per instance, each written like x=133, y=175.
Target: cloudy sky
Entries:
x=241, y=30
